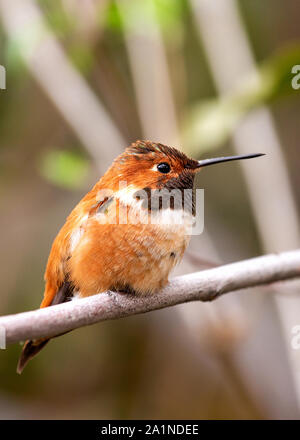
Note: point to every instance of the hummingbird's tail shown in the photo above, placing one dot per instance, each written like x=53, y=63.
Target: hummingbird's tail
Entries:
x=30, y=349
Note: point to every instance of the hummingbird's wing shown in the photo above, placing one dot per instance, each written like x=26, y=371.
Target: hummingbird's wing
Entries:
x=56, y=275
x=58, y=287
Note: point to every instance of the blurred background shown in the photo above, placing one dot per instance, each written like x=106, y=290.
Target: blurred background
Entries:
x=84, y=79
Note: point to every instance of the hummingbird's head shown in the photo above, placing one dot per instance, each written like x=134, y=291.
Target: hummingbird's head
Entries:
x=146, y=164
x=151, y=165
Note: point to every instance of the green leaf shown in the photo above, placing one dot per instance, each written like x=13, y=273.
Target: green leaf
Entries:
x=66, y=169
x=170, y=15
x=113, y=17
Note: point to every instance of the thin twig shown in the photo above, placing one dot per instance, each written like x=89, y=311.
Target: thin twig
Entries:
x=200, y=286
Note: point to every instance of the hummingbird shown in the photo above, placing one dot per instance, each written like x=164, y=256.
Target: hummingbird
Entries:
x=116, y=239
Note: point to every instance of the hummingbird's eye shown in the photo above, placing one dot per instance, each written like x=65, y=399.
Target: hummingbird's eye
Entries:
x=163, y=167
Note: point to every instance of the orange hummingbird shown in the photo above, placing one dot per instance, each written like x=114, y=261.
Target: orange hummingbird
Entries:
x=116, y=238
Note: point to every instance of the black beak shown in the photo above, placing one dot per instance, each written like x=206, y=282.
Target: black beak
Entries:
x=206, y=162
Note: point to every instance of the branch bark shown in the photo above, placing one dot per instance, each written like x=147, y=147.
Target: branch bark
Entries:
x=200, y=286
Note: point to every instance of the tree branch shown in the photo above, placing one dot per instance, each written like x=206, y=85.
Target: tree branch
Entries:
x=200, y=286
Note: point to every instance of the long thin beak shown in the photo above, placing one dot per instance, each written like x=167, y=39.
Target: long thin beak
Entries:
x=214, y=160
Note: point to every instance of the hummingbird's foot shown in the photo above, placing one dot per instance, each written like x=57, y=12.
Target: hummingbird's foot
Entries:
x=126, y=290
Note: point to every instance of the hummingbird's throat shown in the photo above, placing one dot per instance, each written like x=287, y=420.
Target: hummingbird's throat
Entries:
x=155, y=200
x=171, y=196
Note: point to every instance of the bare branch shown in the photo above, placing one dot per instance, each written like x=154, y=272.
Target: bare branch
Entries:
x=200, y=286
